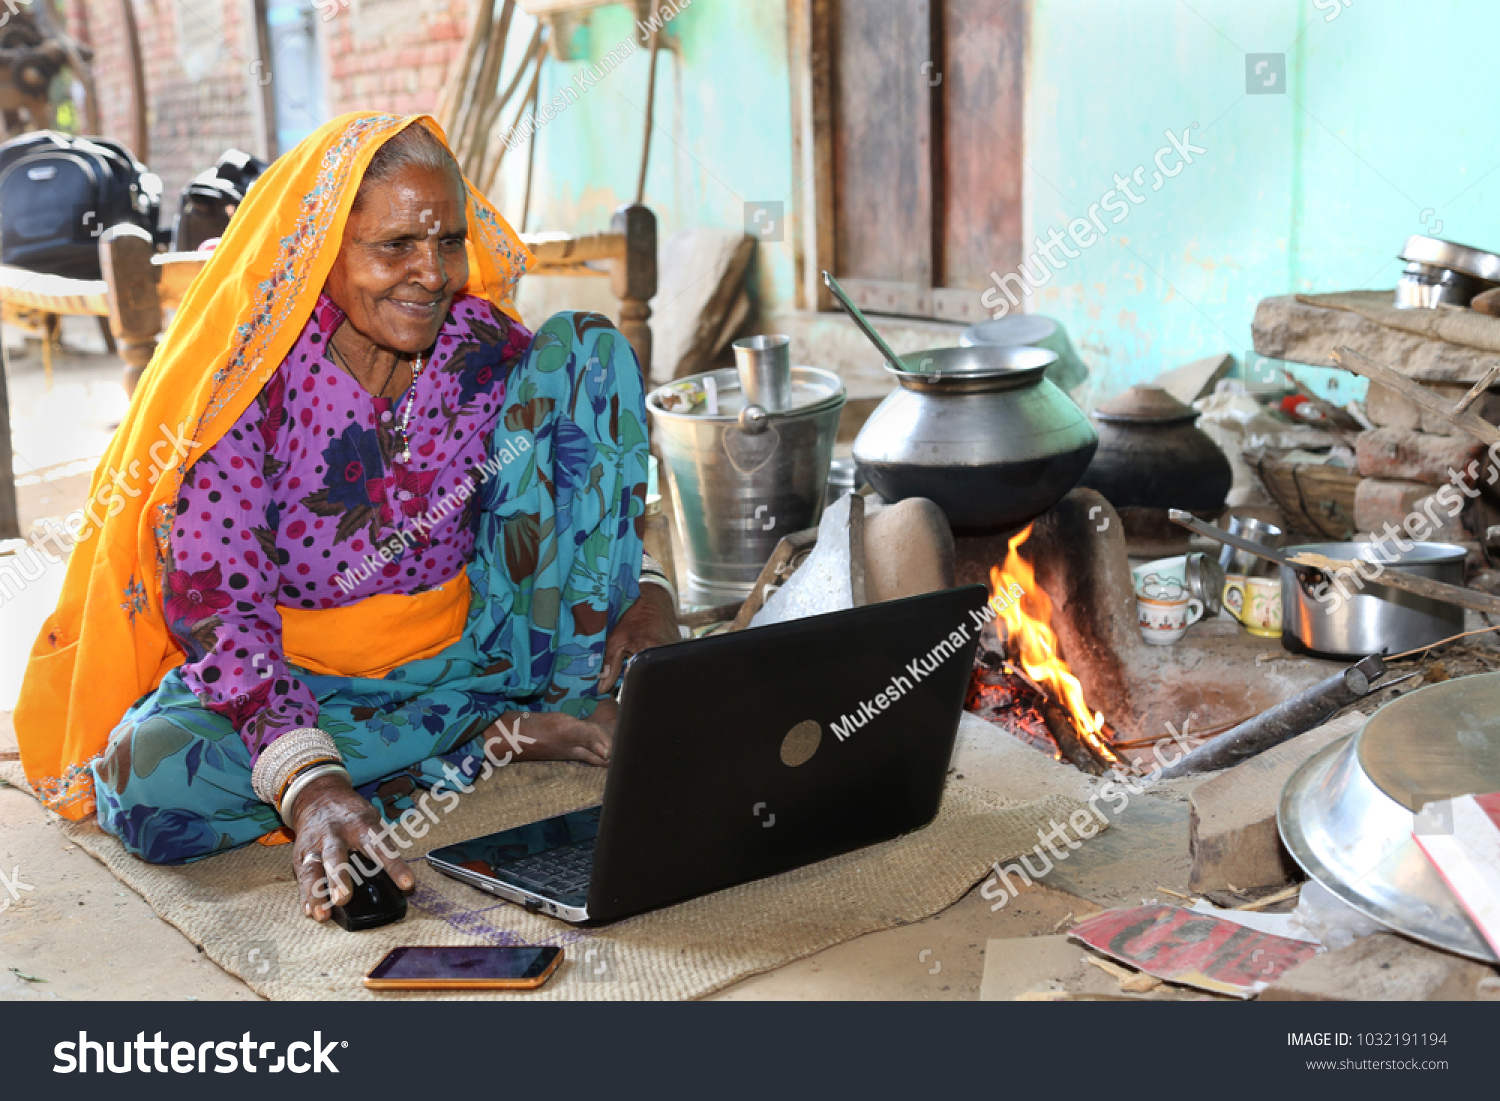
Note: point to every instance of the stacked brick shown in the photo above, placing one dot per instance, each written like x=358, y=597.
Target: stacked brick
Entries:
x=1409, y=456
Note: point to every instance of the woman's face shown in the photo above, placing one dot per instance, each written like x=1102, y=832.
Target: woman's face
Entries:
x=403, y=259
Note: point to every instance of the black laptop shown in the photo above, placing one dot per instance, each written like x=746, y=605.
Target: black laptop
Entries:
x=747, y=754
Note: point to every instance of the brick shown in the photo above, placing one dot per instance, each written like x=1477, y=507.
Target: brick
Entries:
x=1406, y=455
x=1487, y=405
x=1381, y=968
x=1378, y=502
x=1232, y=831
x=1388, y=409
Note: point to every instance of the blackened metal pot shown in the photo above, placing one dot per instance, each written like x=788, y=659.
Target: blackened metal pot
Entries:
x=980, y=432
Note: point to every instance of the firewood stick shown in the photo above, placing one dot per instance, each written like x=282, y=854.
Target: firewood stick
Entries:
x=1406, y=582
x=1271, y=900
x=1478, y=388
x=1065, y=734
x=1417, y=394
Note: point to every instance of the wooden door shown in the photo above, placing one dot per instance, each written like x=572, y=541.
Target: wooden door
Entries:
x=919, y=105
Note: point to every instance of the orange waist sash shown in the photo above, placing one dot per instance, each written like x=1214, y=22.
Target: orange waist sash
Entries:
x=375, y=635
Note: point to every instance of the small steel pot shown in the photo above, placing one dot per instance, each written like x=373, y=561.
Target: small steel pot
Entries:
x=1352, y=615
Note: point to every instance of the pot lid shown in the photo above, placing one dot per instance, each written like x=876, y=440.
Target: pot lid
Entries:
x=1145, y=405
x=1013, y=329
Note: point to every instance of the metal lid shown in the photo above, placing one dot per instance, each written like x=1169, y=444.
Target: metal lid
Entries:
x=814, y=390
x=1013, y=329
x=978, y=367
x=1456, y=257
x=1145, y=405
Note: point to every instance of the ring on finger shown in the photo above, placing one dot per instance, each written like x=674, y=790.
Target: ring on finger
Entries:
x=311, y=858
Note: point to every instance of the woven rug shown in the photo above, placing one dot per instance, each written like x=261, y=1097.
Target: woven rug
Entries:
x=242, y=907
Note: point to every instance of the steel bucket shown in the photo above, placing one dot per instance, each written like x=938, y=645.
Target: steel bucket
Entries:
x=742, y=478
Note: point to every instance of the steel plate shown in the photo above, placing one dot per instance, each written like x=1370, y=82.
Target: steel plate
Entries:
x=1355, y=840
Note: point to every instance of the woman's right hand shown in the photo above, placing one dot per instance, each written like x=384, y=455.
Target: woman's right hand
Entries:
x=332, y=821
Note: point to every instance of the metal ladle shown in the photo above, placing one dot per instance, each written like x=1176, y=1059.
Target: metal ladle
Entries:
x=1219, y=535
x=864, y=325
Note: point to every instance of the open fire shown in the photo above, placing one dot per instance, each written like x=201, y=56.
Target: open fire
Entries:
x=1021, y=683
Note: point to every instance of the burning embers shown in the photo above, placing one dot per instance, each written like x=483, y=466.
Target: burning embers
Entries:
x=1020, y=682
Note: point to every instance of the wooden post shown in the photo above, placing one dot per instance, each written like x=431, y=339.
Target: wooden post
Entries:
x=10, y=523
x=125, y=253
x=633, y=280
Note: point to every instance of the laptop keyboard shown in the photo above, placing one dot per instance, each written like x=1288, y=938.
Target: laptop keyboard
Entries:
x=562, y=871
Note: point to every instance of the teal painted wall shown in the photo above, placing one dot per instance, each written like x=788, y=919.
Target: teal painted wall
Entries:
x=1384, y=129
x=722, y=134
x=1381, y=125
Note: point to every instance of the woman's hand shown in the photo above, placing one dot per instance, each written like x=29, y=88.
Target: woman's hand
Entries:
x=332, y=821
x=650, y=621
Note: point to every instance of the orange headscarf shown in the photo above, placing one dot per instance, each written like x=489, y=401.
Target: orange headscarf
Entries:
x=107, y=645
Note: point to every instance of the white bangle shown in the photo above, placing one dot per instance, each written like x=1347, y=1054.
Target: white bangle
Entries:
x=662, y=582
x=289, y=801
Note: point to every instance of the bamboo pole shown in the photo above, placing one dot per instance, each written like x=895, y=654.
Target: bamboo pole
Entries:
x=140, y=131
x=456, y=89
x=491, y=114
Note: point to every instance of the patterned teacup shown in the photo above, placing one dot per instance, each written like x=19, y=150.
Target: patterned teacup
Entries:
x=1260, y=609
x=1164, y=620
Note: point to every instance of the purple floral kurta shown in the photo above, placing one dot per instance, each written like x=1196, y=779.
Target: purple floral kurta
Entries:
x=294, y=505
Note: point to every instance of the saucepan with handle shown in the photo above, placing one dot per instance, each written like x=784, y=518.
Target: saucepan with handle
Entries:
x=1351, y=615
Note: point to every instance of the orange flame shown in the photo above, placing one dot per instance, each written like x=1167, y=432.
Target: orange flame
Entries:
x=1027, y=616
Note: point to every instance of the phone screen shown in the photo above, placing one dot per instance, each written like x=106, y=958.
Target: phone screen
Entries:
x=471, y=963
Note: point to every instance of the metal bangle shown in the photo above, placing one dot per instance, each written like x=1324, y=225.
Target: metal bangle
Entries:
x=661, y=582
x=288, y=804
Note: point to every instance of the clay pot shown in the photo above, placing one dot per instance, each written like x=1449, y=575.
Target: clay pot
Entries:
x=1152, y=457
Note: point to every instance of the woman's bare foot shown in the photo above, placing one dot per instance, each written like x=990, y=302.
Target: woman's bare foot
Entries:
x=554, y=736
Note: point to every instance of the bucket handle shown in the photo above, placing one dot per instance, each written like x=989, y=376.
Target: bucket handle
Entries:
x=753, y=421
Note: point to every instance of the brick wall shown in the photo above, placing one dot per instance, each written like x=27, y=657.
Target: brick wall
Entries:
x=197, y=57
x=389, y=55
x=393, y=55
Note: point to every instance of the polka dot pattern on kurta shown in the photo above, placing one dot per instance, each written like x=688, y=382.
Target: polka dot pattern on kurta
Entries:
x=293, y=506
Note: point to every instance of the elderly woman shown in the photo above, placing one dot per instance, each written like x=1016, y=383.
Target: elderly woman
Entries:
x=397, y=523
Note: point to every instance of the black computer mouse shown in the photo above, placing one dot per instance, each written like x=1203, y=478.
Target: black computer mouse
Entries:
x=376, y=900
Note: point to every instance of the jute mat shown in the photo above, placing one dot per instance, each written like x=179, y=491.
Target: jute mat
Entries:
x=242, y=907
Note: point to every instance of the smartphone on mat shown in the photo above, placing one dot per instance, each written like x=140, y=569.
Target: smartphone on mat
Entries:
x=475, y=967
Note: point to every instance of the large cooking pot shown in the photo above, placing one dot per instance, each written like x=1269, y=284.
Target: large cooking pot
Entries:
x=981, y=432
x=1372, y=618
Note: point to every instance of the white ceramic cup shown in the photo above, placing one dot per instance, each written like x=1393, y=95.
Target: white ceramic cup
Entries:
x=1163, y=579
x=1164, y=621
